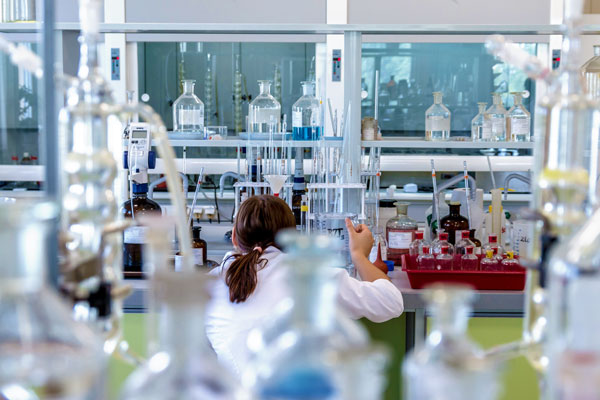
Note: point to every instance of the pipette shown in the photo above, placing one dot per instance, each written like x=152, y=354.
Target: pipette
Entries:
x=491, y=172
x=436, y=206
x=195, y=198
x=467, y=192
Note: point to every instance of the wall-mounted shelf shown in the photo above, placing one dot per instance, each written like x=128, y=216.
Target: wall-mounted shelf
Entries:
x=417, y=143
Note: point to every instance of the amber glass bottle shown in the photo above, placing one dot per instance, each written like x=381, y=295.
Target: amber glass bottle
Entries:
x=199, y=247
x=133, y=238
x=453, y=223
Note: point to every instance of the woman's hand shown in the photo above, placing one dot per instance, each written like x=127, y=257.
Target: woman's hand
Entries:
x=361, y=239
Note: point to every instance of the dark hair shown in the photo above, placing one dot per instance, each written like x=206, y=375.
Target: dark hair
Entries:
x=258, y=221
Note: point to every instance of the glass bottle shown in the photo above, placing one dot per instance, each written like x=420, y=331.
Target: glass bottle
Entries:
x=509, y=263
x=443, y=261
x=448, y=365
x=454, y=223
x=437, y=120
x=399, y=233
x=591, y=74
x=426, y=260
x=497, y=116
x=188, y=110
x=518, y=121
x=42, y=349
x=469, y=261
x=442, y=240
x=298, y=188
x=329, y=352
x=463, y=243
x=264, y=113
x=416, y=247
x=481, y=128
x=199, y=247
x=135, y=236
x=182, y=364
x=490, y=262
x=492, y=244
x=378, y=255
x=475, y=241
x=306, y=115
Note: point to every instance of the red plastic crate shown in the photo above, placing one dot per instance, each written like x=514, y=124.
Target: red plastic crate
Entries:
x=480, y=280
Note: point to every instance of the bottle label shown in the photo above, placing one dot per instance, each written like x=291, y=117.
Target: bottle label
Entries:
x=135, y=235
x=400, y=240
x=191, y=117
x=297, y=119
x=486, y=131
x=198, y=256
x=437, y=124
x=519, y=126
x=498, y=125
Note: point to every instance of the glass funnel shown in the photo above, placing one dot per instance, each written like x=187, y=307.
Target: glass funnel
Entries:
x=497, y=117
x=41, y=348
x=188, y=110
x=448, y=365
x=481, y=129
x=591, y=74
x=306, y=115
x=312, y=350
x=264, y=113
x=182, y=363
x=518, y=120
x=437, y=120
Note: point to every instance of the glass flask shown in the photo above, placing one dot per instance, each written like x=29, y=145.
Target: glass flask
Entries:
x=454, y=223
x=437, y=120
x=443, y=261
x=509, y=263
x=237, y=96
x=311, y=350
x=448, y=365
x=497, y=117
x=416, y=247
x=135, y=236
x=573, y=344
x=426, y=260
x=481, y=128
x=182, y=364
x=306, y=115
x=442, y=240
x=264, y=113
x=518, y=120
x=378, y=254
x=493, y=245
x=400, y=232
x=469, y=261
x=188, y=110
x=464, y=242
x=591, y=74
x=42, y=349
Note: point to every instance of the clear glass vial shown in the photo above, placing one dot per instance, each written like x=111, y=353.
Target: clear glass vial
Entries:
x=306, y=115
x=481, y=128
x=591, y=74
x=497, y=117
x=518, y=121
x=264, y=113
x=188, y=110
x=437, y=120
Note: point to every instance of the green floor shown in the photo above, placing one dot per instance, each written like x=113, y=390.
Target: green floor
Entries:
x=519, y=380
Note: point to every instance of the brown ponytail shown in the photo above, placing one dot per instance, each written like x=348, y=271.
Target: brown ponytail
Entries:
x=258, y=221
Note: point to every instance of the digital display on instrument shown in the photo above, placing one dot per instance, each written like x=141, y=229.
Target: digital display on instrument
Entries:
x=138, y=135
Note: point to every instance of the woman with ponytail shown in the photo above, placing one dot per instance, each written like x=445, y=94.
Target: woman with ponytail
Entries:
x=251, y=281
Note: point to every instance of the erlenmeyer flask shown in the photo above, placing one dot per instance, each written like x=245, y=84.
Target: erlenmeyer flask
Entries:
x=312, y=350
x=448, y=365
x=42, y=348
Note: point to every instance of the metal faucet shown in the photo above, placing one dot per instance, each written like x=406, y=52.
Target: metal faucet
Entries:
x=511, y=177
x=226, y=175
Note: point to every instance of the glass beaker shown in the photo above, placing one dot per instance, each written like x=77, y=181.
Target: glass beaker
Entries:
x=334, y=225
x=188, y=110
x=481, y=129
x=437, y=120
x=42, y=348
x=448, y=365
x=312, y=350
x=591, y=74
x=497, y=117
x=264, y=113
x=518, y=122
x=306, y=115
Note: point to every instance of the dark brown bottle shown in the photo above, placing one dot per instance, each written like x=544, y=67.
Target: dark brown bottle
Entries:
x=133, y=238
x=199, y=247
x=475, y=241
x=454, y=222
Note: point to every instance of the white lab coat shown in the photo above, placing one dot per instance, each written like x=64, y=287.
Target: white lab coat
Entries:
x=228, y=324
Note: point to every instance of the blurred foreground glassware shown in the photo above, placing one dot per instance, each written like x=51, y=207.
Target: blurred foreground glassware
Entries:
x=591, y=74
x=182, y=363
x=437, y=120
x=264, y=113
x=448, y=365
x=188, y=110
x=42, y=349
x=312, y=350
x=334, y=225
